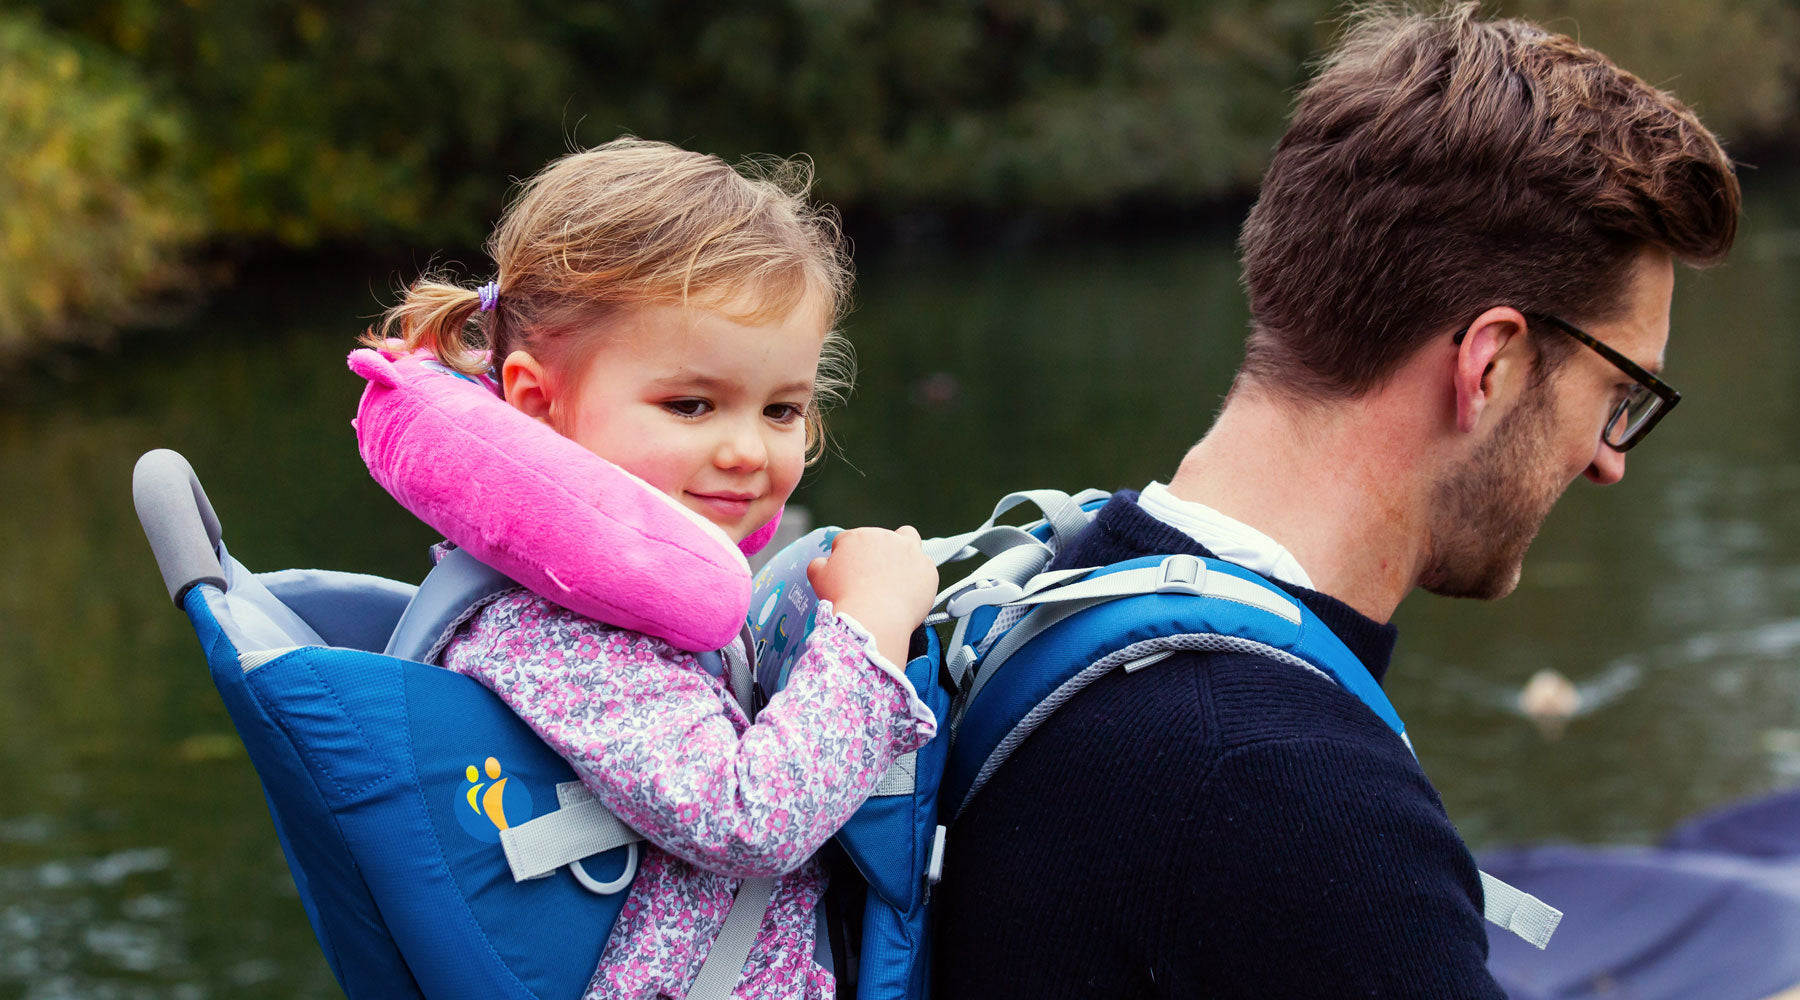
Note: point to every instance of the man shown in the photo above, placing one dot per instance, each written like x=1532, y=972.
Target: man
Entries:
x=1459, y=270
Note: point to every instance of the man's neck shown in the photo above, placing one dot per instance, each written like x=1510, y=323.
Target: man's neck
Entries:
x=1340, y=488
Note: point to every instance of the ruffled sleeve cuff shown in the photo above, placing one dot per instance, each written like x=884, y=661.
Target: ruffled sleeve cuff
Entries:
x=828, y=617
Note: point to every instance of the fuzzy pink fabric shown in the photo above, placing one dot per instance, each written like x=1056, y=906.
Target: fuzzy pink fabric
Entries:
x=563, y=522
x=759, y=539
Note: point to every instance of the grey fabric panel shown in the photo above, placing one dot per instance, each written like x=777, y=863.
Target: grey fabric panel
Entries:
x=251, y=617
x=901, y=778
x=349, y=610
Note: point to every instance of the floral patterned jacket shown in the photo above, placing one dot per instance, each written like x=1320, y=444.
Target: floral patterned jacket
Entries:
x=662, y=743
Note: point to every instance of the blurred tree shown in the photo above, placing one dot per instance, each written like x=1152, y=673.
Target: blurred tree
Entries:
x=398, y=122
x=94, y=211
x=1737, y=63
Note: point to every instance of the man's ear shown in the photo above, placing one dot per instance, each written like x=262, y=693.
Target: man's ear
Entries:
x=1493, y=366
x=526, y=386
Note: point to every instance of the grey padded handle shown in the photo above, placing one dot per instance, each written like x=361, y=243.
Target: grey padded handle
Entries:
x=178, y=520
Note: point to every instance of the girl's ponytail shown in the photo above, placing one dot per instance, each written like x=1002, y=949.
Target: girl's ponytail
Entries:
x=435, y=315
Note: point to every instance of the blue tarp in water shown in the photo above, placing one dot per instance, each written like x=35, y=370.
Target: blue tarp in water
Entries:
x=1713, y=912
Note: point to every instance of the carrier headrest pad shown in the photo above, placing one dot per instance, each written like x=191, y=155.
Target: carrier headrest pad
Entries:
x=565, y=523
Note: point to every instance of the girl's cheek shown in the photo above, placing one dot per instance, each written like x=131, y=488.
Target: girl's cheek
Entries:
x=789, y=468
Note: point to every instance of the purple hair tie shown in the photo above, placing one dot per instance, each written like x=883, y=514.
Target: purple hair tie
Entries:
x=490, y=294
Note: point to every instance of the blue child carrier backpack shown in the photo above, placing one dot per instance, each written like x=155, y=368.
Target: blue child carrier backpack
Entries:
x=440, y=849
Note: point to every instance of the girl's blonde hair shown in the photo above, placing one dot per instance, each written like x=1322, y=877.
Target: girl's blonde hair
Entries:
x=636, y=223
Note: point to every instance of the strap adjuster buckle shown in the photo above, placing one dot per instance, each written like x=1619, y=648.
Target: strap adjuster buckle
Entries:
x=982, y=593
x=1181, y=574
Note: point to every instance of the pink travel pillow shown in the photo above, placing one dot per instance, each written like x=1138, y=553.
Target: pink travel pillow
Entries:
x=562, y=521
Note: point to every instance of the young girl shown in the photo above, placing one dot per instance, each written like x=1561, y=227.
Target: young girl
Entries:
x=669, y=314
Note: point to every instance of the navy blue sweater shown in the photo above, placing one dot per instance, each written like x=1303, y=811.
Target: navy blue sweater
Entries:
x=1216, y=825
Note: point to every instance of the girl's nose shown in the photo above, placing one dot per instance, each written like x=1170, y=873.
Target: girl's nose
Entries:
x=742, y=448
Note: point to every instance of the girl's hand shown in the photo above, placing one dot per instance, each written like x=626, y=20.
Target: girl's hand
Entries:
x=883, y=580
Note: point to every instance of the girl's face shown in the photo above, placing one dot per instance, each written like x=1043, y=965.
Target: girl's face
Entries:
x=709, y=410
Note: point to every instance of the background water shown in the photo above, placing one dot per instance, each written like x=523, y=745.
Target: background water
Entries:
x=136, y=857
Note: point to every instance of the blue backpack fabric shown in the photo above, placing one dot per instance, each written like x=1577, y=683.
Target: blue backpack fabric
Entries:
x=388, y=781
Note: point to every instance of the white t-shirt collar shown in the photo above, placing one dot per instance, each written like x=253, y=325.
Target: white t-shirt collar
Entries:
x=1226, y=537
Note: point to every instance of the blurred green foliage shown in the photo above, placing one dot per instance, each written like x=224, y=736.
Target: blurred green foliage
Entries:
x=94, y=208
x=399, y=122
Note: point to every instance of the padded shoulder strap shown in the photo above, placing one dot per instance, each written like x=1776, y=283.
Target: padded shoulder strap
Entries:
x=452, y=587
x=1134, y=613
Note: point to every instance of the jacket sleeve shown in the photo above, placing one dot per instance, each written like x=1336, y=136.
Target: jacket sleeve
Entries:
x=1354, y=881
x=662, y=744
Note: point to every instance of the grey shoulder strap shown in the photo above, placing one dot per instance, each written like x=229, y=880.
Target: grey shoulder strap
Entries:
x=452, y=587
x=724, y=964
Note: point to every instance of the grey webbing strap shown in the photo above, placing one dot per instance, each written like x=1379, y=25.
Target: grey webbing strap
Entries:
x=740, y=672
x=1062, y=512
x=580, y=829
x=1176, y=575
x=1005, y=574
x=724, y=964
x=901, y=778
x=1519, y=911
x=990, y=541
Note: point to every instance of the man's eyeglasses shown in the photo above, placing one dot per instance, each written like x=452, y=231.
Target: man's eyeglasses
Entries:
x=1647, y=401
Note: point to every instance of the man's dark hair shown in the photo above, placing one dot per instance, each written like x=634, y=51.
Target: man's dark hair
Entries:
x=1440, y=165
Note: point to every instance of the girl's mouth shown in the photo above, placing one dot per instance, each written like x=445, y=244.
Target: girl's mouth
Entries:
x=725, y=506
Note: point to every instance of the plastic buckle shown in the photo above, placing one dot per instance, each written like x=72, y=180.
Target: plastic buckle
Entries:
x=1181, y=574
x=934, y=867
x=958, y=663
x=980, y=594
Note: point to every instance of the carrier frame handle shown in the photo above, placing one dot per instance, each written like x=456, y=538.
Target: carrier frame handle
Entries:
x=178, y=520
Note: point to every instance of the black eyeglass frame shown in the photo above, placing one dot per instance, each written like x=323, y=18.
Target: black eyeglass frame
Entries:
x=1655, y=386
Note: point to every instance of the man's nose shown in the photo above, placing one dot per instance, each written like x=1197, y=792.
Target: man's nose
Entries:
x=1608, y=466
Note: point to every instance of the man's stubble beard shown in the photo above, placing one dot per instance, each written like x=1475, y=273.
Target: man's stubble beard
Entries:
x=1488, y=510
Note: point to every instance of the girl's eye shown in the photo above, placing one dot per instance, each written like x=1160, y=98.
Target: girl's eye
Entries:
x=688, y=407
x=784, y=413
